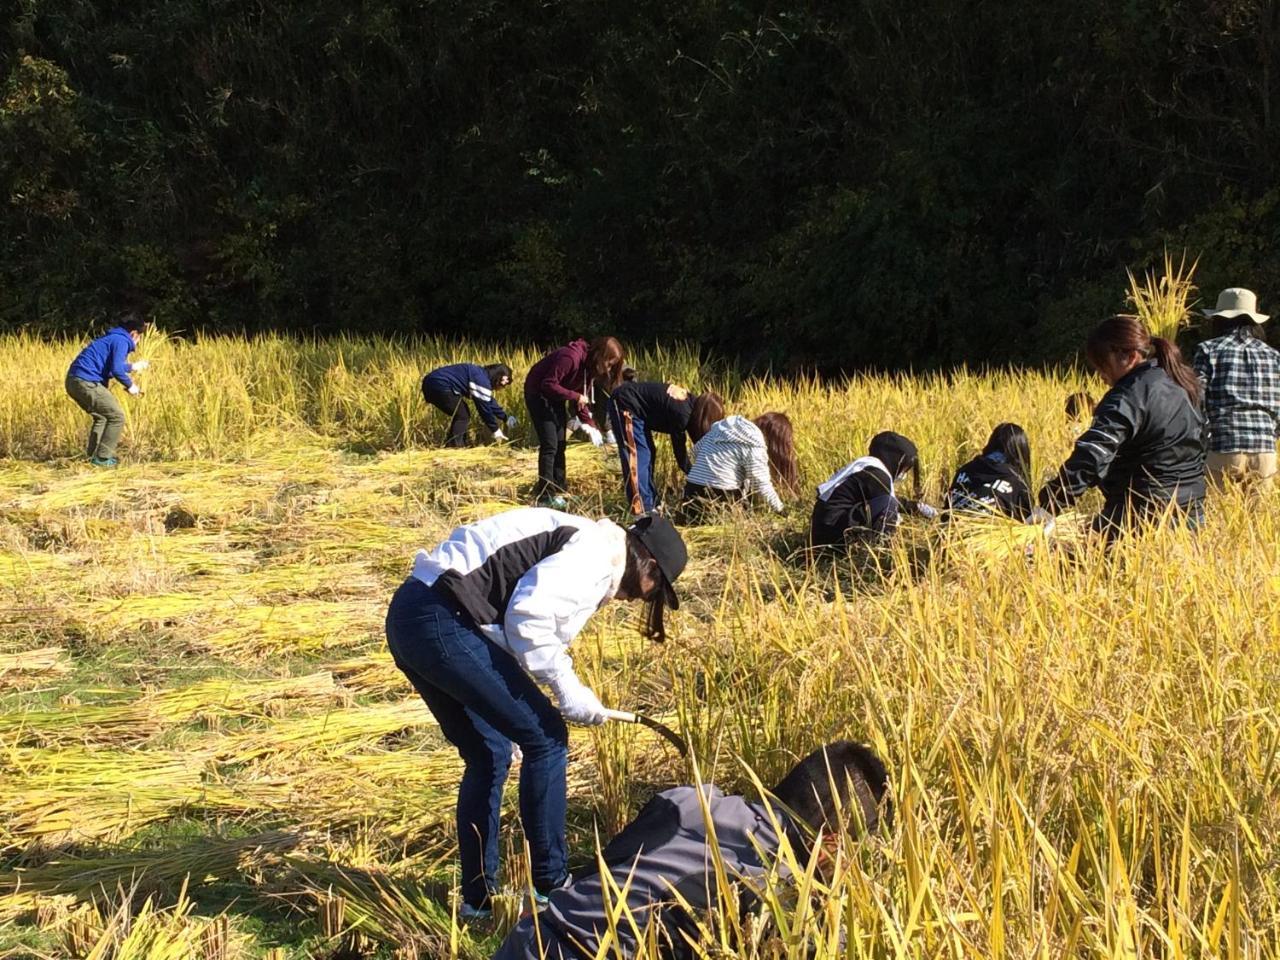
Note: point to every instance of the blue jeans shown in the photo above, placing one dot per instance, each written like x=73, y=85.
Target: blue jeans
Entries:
x=635, y=450
x=483, y=702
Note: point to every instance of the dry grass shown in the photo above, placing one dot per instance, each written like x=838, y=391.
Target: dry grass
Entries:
x=1084, y=746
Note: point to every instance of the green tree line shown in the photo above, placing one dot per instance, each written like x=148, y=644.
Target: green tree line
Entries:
x=803, y=185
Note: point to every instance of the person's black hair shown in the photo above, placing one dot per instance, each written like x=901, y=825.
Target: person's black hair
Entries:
x=1079, y=405
x=654, y=627
x=133, y=322
x=857, y=774
x=1011, y=441
x=496, y=371
x=1221, y=326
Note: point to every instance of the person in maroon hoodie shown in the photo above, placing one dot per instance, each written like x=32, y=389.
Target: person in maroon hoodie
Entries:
x=567, y=375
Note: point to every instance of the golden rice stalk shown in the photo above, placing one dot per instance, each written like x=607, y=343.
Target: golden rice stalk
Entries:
x=1163, y=303
x=150, y=933
x=88, y=794
x=340, y=730
x=995, y=538
x=142, y=718
x=43, y=660
x=204, y=861
x=400, y=911
x=376, y=675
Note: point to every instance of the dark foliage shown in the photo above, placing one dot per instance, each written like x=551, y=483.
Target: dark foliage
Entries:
x=812, y=186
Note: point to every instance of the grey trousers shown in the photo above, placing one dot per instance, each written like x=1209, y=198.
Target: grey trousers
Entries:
x=100, y=403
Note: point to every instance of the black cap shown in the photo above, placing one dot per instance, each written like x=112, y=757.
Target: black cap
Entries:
x=663, y=540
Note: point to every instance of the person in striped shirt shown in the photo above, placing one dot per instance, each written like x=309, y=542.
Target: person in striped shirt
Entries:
x=738, y=457
x=448, y=389
x=1241, y=379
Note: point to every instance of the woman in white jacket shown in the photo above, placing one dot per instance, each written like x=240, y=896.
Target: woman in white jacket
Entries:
x=483, y=619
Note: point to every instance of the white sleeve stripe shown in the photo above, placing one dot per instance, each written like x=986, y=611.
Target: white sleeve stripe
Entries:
x=481, y=393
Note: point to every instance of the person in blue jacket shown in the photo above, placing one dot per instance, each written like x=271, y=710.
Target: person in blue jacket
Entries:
x=447, y=389
x=89, y=385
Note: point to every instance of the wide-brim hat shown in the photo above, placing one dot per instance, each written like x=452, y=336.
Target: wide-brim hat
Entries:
x=1237, y=302
x=663, y=540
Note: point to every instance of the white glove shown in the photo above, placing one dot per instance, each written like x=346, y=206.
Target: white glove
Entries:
x=610, y=439
x=594, y=435
x=927, y=511
x=578, y=704
x=135, y=390
x=499, y=436
x=139, y=364
x=574, y=425
x=511, y=422
x=1040, y=515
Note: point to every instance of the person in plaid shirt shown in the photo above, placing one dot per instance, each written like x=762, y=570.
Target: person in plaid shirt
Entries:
x=1241, y=377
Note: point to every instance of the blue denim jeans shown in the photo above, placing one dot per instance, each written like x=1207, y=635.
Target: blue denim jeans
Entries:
x=483, y=702
x=635, y=450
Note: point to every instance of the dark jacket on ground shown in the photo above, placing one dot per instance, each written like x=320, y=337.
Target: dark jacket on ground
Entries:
x=988, y=484
x=561, y=377
x=664, y=848
x=859, y=497
x=1145, y=448
x=469, y=380
x=661, y=413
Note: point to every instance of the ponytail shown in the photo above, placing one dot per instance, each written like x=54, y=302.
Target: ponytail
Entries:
x=1170, y=359
x=1122, y=335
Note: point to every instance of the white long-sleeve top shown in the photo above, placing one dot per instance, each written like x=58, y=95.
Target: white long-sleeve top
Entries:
x=530, y=579
x=732, y=455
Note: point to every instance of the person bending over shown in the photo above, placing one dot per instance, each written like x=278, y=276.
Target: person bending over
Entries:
x=662, y=857
x=486, y=617
x=997, y=480
x=636, y=411
x=447, y=389
x=738, y=457
x=89, y=385
x=859, y=503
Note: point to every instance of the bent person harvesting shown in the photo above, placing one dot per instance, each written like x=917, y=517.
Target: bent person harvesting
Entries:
x=485, y=618
x=89, y=385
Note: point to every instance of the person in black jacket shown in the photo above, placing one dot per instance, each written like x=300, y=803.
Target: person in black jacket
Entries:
x=1146, y=445
x=996, y=481
x=859, y=502
x=638, y=409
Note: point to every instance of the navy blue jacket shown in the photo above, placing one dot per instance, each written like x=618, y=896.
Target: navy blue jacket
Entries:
x=104, y=358
x=469, y=380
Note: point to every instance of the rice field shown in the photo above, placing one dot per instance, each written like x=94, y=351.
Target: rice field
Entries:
x=206, y=752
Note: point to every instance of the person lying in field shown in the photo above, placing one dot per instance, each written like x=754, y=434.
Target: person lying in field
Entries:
x=661, y=859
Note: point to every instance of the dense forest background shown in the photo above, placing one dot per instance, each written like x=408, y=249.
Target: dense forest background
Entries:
x=808, y=185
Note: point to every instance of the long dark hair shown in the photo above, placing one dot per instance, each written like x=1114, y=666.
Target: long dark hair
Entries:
x=495, y=372
x=708, y=408
x=1121, y=335
x=654, y=628
x=779, y=440
x=1011, y=442
x=605, y=360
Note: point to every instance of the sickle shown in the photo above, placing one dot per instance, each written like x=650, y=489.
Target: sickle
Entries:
x=624, y=716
